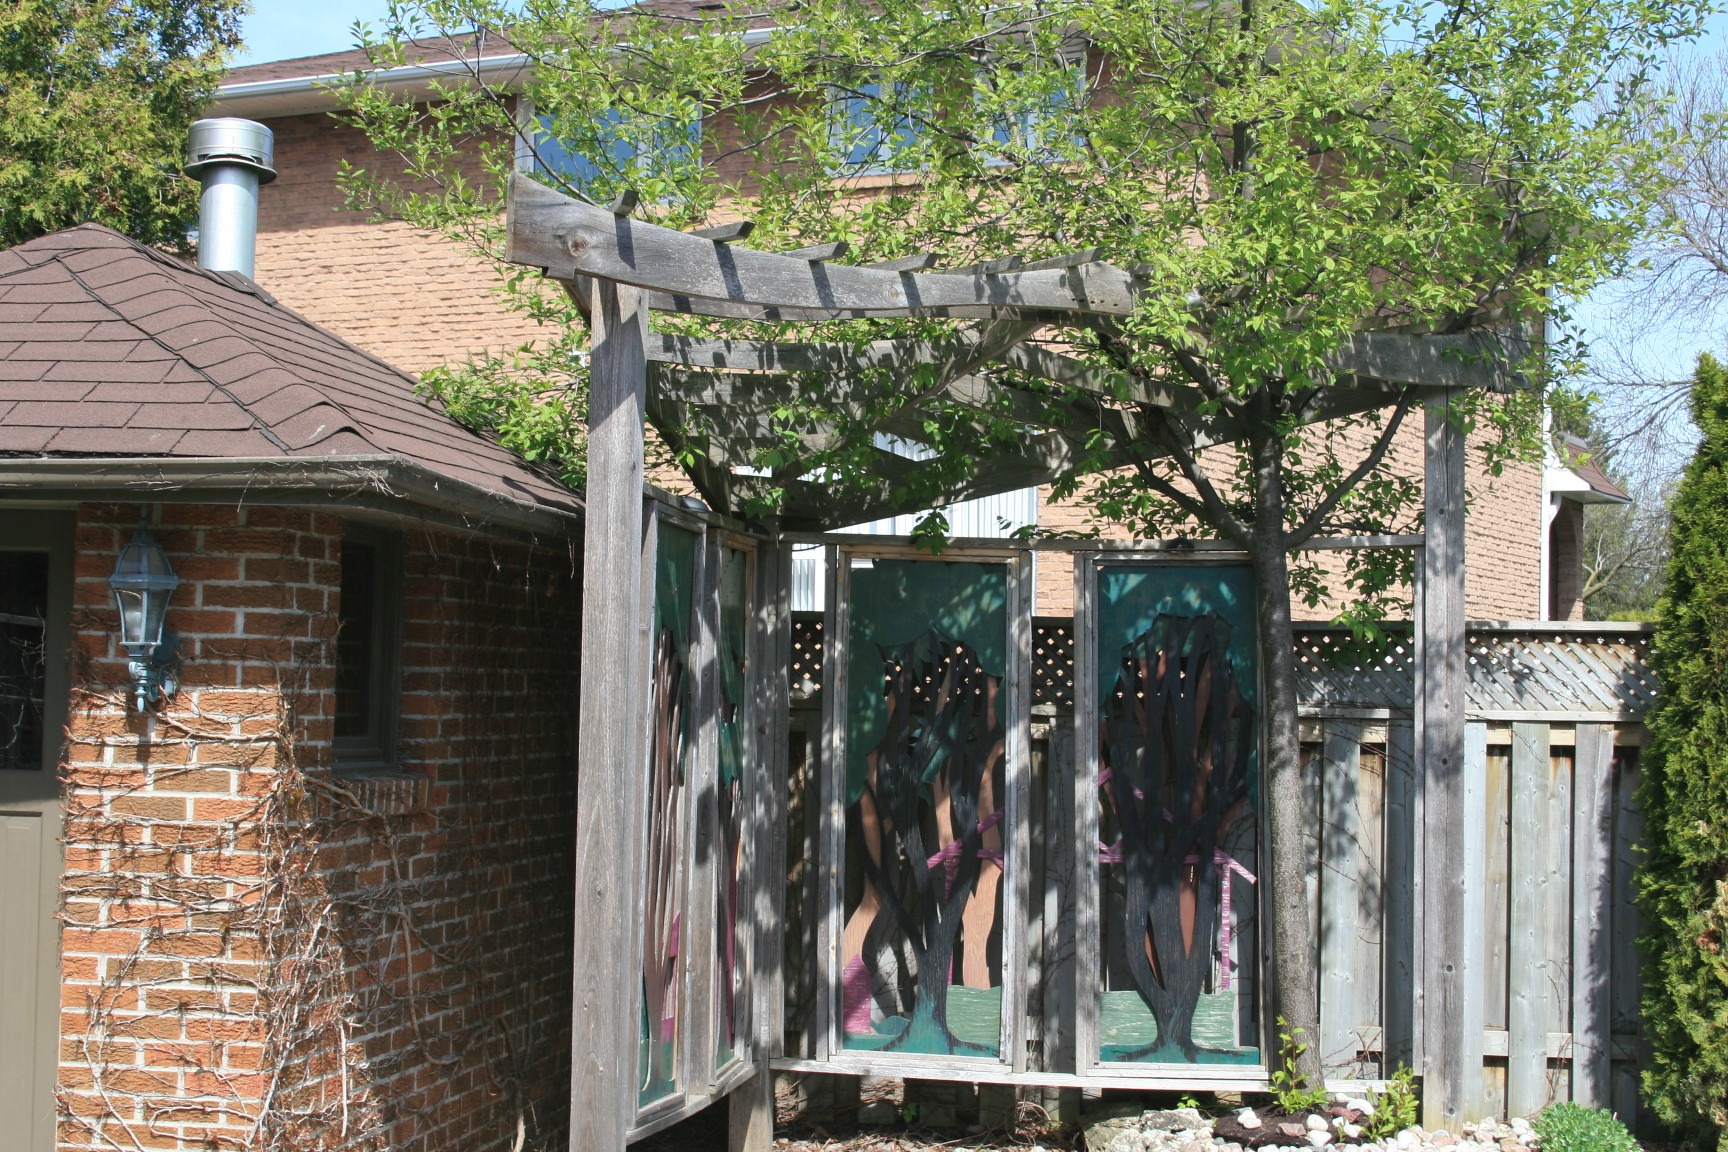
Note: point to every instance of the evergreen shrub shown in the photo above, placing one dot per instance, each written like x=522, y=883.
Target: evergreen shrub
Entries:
x=1683, y=875
x=1571, y=1128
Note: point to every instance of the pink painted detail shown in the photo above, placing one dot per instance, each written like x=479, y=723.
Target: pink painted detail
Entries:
x=855, y=997
x=1228, y=867
x=669, y=1026
x=949, y=856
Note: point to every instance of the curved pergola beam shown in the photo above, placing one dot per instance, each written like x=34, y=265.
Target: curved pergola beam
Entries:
x=570, y=238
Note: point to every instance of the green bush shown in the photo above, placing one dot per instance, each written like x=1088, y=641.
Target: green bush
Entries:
x=1570, y=1128
x=1683, y=878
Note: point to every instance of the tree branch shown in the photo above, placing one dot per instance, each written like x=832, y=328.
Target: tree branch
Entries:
x=1316, y=519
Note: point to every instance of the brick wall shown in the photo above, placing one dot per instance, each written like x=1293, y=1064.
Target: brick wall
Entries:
x=1503, y=520
x=261, y=954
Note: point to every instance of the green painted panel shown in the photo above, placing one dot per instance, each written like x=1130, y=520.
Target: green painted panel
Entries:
x=925, y=829
x=671, y=687
x=1179, y=737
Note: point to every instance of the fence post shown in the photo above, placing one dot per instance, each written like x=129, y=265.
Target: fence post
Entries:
x=1450, y=1084
x=611, y=791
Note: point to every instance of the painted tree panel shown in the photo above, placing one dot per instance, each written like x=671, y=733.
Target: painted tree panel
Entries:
x=1179, y=735
x=926, y=787
x=671, y=717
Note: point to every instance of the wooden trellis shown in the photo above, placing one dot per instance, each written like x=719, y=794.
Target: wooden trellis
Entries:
x=713, y=402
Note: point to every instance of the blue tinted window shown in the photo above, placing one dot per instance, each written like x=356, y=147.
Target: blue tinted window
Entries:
x=1029, y=128
x=867, y=134
x=669, y=145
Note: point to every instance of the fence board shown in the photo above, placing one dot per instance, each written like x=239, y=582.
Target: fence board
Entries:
x=1059, y=975
x=1340, y=765
x=1557, y=900
x=1496, y=889
x=1592, y=911
x=1400, y=928
x=1528, y=950
x=1462, y=950
x=1628, y=833
x=1371, y=900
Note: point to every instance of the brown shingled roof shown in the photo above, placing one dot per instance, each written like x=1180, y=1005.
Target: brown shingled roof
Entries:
x=110, y=349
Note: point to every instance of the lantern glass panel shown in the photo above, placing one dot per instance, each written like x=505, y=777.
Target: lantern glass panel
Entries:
x=130, y=602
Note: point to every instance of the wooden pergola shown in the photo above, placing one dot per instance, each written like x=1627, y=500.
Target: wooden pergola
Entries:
x=712, y=401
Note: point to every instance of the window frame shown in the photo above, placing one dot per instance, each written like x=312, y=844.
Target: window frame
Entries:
x=530, y=161
x=49, y=532
x=376, y=752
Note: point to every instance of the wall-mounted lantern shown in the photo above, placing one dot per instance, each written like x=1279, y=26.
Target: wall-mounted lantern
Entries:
x=142, y=583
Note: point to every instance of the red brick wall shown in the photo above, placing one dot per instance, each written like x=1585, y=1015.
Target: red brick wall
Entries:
x=261, y=954
x=1503, y=520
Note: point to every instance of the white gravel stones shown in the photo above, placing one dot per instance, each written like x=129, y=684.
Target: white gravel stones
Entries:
x=1186, y=1130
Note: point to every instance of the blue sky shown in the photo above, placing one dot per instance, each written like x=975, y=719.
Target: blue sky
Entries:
x=281, y=29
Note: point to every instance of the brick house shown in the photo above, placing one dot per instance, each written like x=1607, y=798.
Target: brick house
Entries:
x=347, y=272
x=319, y=897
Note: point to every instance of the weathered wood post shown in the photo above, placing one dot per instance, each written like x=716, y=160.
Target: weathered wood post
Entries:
x=751, y=1105
x=1451, y=1001
x=611, y=788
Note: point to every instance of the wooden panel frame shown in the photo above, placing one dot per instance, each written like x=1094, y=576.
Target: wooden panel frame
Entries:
x=761, y=900
x=694, y=995
x=754, y=871
x=1084, y=887
x=830, y=1051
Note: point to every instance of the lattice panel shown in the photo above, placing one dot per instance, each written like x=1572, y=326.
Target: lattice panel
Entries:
x=806, y=671
x=1053, y=662
x=1526, y=669
x=1541, y=670
x=1336, y=670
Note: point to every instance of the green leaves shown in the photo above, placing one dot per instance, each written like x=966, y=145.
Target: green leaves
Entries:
x=1279, y=177
x=1683, y=792
x=95, y=100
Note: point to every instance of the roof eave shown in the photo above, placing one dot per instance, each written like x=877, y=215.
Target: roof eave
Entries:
x=298, y=95
x=379, y=483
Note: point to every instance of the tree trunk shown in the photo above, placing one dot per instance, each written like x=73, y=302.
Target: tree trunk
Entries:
x=1294, y=985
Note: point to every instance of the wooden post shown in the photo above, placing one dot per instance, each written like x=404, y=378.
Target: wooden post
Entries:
x=750, y=1111
x=611, y=785
x=1450, y=1084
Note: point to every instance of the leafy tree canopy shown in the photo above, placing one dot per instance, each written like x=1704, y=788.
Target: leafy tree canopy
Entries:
x=95, y=100
x=1280, y=173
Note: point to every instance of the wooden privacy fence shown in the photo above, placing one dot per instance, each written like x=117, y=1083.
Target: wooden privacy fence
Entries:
x=1553, y=728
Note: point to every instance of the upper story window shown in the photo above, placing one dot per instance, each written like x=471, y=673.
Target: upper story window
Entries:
x=368, y=649
x=1029, y=126
x=872, y=129
x=615, y=149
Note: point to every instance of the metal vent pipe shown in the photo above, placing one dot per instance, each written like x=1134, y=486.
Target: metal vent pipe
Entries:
x=231, y=158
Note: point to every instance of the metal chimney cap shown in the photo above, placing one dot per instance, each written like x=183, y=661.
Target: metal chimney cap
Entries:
x=230, y=140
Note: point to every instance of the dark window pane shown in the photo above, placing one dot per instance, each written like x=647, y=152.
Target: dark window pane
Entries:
x=23, y=666
x=356, y=650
